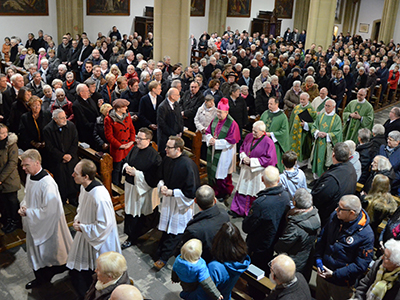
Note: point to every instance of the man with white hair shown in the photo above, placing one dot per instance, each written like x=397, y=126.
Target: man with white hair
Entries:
x=344, y=250
x=300, y=134
x=266, y=219
x=354, y=157
x=392, y=152
x=393, y=123
x=126, y=292
x=318, y=104
x=327, y=131
x=61, y=140
x=289, y=283
x=358, y=114
x=256, y=153
x=10, y=95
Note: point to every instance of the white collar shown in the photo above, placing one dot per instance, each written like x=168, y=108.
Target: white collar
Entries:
x=330, y=114
x=274, y=112
x=361, y=102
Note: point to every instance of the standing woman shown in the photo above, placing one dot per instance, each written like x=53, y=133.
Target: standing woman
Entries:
x=6, y=49
x=9, y=180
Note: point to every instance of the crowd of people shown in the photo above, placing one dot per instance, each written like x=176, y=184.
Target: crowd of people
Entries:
x=263, y=104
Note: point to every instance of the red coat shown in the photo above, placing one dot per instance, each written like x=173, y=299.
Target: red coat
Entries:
x=393, y=82
x=118, y=133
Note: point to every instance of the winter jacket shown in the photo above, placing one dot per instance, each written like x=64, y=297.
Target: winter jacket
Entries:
x=9, y=177
x=355, y=161
x=346, y=248
x=293, y=180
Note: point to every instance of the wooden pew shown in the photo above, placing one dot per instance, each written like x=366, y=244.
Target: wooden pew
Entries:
x=195, y=151
x=264, y=285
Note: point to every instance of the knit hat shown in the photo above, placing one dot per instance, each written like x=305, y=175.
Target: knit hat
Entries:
x=223, y=104
x=117, y=103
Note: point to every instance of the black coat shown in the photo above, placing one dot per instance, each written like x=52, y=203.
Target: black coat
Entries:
x=241, y=82
x=85, y=114
x=9, y=96
x=170, y=122
x=238, y=111
x=62, y=52
x=261, y=101
x=395, y=125
x=297, y=291
x=18, y=108
x=266, y=220
x=58, y=143
x=339, y=180
x=204, y=226
x=28, y=132
x=70, y=92
x=366, y=157
x=147, y=113
x=190, y=105
x=72, y=57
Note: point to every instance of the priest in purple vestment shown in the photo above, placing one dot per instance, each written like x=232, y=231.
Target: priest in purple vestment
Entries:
x=256, y=153
x=221, y=137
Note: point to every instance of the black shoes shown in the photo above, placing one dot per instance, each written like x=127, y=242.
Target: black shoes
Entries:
x=126, y=244
x=33, y=284
x=11, y=226
x=234, y=215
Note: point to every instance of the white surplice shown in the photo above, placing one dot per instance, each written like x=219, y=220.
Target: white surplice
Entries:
x=227, y=159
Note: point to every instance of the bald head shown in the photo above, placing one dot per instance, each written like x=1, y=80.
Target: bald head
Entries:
x=271, y=176
x=283, y=268
x=126, y=292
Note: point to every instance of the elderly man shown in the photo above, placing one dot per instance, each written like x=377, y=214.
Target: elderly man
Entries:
x=392, y=152
x=126, y=292
x=61, y=139
x=300, y=134
x=262, y=97
x=61, y=73
x=48, y=239
x=289, y=283
x=393, y=123
x=206, y=223
x=48, y=98
x=221, y=137
x=344, y=250
x=340, y=179
x=266, y=219
x=179, y=182
x=277, y=128
x=85, y=113
x=36, y=85
x=141, y=198
x=190, y=103
x=120, y=133
x=318, y=104
x=129, y=60
x=256, y=153
x=169, y=119
x=95, y=225
x=327, y=131
x=292, y=97
x=10, y=95
x=357, y=114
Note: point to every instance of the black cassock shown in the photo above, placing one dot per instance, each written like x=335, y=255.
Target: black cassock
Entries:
x=61, y=141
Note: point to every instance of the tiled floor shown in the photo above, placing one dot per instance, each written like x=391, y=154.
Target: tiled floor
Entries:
x=15, y=272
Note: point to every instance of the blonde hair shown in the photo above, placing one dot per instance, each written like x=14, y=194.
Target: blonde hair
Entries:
x=111, y=264
x=33, y=154
x=191, y=250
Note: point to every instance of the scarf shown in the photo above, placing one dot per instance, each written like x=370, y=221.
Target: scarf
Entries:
x=3, y=143
x=60, y=104
x=69, y=84
x=212, y=162
x=384, y=281
x=22, y=57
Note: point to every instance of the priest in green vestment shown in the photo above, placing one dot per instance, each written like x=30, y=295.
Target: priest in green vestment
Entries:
x=277, y=128
x=327, y=131
x=300, y=133
x=358, y=114
x=318, y=104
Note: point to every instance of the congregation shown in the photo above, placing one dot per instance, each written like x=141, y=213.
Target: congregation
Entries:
x=267, y=109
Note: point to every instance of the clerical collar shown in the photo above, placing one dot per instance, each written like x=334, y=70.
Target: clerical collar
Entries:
x=304, y=105
x=42, y=173
x=361, y=102
x=330, y=114
x=92, y=185
x=274, y=112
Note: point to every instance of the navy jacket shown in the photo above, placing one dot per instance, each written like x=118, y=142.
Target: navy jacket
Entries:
x=346, y=248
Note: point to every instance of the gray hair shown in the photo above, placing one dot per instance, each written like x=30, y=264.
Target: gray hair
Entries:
x=157, y=71
x=208, y=98
x=394, y=247
x=70, y=73
x=57, y=112
x=239, y=65
x=351, y=202
x=311, y=68
x=365, y=135
x=296, y=83
x=383, y=163
x=305, y=94
x=175, y=83
x=127, y=53
x=61, y=66
x=46, y=87
x=372, y=69
x=144, y=75
x=234, y=88
x=351, y=145
x=44, y=60
x=79, y=88
x=60, y=91
x=378, y=129
x=310, y=77
x=303, y=198
x=264, y=85
x=263, y=69
x=396, y=111
x=14, y=77
x=260, y=125
x=395, y=134
x=274, y=77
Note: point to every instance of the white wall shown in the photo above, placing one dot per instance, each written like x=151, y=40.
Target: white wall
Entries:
x=125, y=24
x=199, y=24
x=370, y=10
x=21, y=25
x=396, y=34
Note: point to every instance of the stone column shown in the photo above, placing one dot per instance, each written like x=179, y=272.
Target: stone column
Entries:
x=321, y=19
x=348, y=17
x=388, y=20
x=69, y=17
x=171, y=30
x=301, y=14
x=217, y=16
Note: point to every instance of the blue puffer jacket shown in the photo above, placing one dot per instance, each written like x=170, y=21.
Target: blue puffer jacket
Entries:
x=346, y=248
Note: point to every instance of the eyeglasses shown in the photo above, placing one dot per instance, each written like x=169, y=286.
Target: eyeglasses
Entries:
x=168, y=147
x=342, y=209
x=141, y=139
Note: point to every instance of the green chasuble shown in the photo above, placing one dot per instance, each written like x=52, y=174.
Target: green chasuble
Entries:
x=350, y=125
x=300, y=139
x=279, y=125
x=321, y=155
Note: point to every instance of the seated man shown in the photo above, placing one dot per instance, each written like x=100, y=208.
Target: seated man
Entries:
x=392, y=152
x=126, y=292
x=289, y=284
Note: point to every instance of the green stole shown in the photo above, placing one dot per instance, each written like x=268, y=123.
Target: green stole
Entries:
x=212, y=163
x=271, y=115
x=322, y=105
